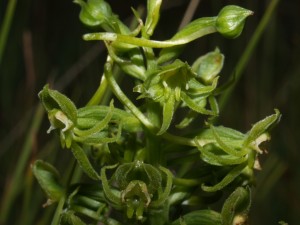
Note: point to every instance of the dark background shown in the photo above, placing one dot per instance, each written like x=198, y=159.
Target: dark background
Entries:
x=45, y=45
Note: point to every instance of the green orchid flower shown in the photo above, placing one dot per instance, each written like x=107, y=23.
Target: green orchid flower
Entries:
x=222, y=146
x=141, y=187
x=173, y=85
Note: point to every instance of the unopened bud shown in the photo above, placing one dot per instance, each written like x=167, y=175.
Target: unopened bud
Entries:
x=94, y=12
x=231, y=19
x=208, y=66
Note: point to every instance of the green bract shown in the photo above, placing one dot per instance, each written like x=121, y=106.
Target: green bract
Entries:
x=48, y=177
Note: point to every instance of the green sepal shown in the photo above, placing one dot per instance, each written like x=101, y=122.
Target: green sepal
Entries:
x=83, y=161
x=222, y=146
x=113, y=197
x=54, y=100
x=97, y=126
x=164, y=194
x=99, y=138
x=48, y=178
x=192, y=104
x=200, y=217
x=236, y=206
x=227, y=142
x=196, y=88
x=138, y=171
x=262, y=127
x=66, y=138
x=215, y=156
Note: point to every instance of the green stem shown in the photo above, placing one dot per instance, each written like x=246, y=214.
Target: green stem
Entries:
x=153, y=147
x=123, y=98
x=58, y=211
x=179, y=140
x=248, y=52
x=186, y=182
x=98, y=96
x=148, y=43
x=6, y=26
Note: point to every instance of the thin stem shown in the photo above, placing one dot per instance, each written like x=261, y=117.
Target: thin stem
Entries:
x=148, y=43
x=99, y=95
x=123, y=98
x=6, y=26
x=58, y=211
x=100, y=92
x=179, y=140
x=186, y=182
x=238, y=72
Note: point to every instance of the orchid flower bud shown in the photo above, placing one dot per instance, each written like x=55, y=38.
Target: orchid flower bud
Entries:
x=94, y=12
x=98, y=13
x=208, y=66
x=231, y=19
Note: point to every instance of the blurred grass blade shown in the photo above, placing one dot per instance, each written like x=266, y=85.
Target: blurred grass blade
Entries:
x=6, y=25
x=15, y=183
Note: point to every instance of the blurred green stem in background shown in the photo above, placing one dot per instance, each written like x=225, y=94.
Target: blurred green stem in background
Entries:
x=5, y=28
x=16, y=182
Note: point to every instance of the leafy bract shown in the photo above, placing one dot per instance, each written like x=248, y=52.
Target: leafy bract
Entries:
x=48, y=177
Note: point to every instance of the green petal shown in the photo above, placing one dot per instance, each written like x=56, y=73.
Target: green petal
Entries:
x=52, y=99
x=261, y=127
x=192, y=105
x=98, y=126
